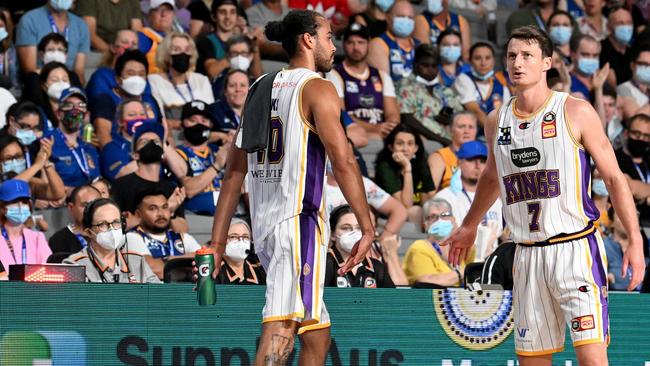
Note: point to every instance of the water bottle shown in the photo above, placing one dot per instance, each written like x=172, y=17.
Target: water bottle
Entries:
x=207, y=294
x=87, y=132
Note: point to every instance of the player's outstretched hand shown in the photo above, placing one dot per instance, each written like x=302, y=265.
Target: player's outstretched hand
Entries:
x=359, y=251
x=217, y=267
x=633, y=261
x=461, y=240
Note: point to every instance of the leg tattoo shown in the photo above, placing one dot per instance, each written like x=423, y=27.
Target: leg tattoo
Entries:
x=281, y=348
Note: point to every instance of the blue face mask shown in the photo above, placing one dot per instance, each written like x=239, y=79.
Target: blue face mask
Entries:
x=403, y=26
x=18, y=214
x=3, y=34
x=61, y=5
x=642, y=74
x=16, y=165
x=450, y=54
x=384, y=5
x=624, y=33
x=435, y=6
x=26, y=137
x=588, y=66
x=456, y=184
x=440, y=229
x=560, y=34
x=483, y=77
x=598, y=187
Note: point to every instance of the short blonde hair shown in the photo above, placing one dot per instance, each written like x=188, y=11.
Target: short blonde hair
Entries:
x=163, y=53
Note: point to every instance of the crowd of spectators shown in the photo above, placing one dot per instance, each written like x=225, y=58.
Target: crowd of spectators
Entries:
x=120, y=114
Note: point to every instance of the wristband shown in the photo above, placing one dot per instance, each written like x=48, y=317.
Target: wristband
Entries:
x=215, y=168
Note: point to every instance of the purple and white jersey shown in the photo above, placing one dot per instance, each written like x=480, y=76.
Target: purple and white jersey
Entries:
x=364, y=98
x=544, y=173
x=287, y=178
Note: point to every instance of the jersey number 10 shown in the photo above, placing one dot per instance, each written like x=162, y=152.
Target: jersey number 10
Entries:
x=275, y=147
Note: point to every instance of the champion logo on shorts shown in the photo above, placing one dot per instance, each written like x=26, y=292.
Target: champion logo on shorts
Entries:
x=582, y=323
x=584, y=288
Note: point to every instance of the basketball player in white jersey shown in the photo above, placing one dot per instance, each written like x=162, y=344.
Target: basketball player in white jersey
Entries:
x=285, y=182
x=540, y=143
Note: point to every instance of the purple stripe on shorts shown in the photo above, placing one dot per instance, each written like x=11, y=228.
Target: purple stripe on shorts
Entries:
x=598, y=271
x=307, y=262
x=588, y=205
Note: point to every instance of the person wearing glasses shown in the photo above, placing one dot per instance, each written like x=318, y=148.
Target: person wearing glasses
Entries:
x=240, y=265
x=472, y=157
x=74, y=159
x=107, y=258
x=634, y=160
x=426, y=262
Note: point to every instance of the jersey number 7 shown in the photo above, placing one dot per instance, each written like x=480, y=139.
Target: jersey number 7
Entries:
x=534, y=209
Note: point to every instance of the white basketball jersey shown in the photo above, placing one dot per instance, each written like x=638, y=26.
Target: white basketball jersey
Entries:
x=544, y=174
x=287, y=178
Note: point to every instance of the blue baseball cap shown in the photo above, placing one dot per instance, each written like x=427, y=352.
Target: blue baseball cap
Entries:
x=154, y=127
x=13, y=189
x=472, y=149
x=71, y=91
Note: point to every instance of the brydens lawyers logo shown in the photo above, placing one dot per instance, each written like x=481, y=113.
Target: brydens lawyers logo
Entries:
x=41, y=348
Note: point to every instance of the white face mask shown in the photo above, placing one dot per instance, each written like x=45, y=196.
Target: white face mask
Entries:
x=110, y=240
x=347, y=240
x=237, y=251
x=240, y=62
x=134, y=85
x=54, y=56
x=54, y=90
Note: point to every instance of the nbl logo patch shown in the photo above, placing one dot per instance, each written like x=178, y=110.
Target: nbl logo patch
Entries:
x=582, y=323
x=549, y=129
x=504, y=136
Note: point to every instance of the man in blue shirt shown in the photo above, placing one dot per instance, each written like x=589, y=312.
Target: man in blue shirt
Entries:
x=52, y=17
x=75, y=160
x=204, y=164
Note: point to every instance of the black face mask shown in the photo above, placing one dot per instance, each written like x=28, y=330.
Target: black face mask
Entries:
x=197, y=134
x=150, y=153
x=181, y=62
x=637, y=148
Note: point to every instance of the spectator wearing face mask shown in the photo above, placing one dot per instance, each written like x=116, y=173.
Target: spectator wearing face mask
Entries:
x=426, y=261
x=634, y=161
x=177, y=83
x=103, y=79
x=75, y=160
x=393, y=52
x=437, y=18
x=24, y=122
x=226, y=112
x=560, y=28
x=616, y=48
x=115, y=158
x=9, y=71
x=634, y=92
x=106, y=258
x=53, y=17
x=45, y=89
x=106, y=18
x=450, y=62
x=243, y=54
x=585, y=53
x=19, y=244
x=70, y=239
x=43, y=179
x=345, y=233
x=239, y=265
x=204, y=165
x=480, y=90
x=148, y=153
x=153, y=237
x=131, y=77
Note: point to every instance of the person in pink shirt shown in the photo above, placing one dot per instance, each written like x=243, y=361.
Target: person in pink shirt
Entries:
x=18, y=244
